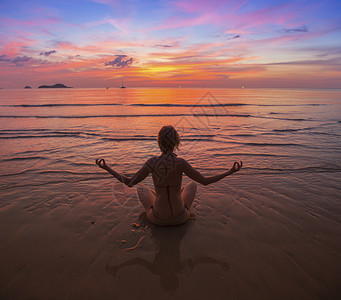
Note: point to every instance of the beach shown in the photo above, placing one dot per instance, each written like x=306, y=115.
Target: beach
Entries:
x=270, y=231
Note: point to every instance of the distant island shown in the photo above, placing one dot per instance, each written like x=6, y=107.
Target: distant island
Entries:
x=27, y=87
x=56, y=86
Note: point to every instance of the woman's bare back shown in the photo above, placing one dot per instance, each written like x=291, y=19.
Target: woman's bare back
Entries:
x=167, y=173
x=169, y=204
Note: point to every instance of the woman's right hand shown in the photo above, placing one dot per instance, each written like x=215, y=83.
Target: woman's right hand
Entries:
x=236, y=167
x=101, y=163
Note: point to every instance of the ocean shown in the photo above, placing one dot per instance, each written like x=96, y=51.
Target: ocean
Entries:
x=288, y=139
x=54, y=136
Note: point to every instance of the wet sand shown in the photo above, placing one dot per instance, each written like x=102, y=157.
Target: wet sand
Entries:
x=269, y=237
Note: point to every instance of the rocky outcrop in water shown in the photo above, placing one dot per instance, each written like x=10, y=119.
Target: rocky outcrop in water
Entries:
x=56, y=86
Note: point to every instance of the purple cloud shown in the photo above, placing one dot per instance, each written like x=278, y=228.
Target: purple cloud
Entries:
x=4, y=58
x=163, y=46
x=303, y=28
x=234, y=37
x=48, y=53
x=19, y=60
x=120, y=61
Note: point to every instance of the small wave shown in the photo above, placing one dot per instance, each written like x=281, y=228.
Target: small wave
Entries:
x=294, y=119
x=24, y=130
x=285, y=119
x=65, y=172
x=312, y=169
x=262, y=144
x=323, y=133
x=23, y=158
x=221, y=115
x=125, y=116
x=60, y=105
x=15, y=174
x=305, y=130
x=156, y=105
x=43, y=136
x=248, y=154
x=46, y=133
x=197, y=135
x=271, y=144
x=291, y=105
x=73, y=178
x=43, y=131
x=243, y=135
x=188, y=105
x=270, y=171
x=121, y=139
x=286, y=130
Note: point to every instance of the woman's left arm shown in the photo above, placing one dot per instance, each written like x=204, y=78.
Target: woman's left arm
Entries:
x=129, y=181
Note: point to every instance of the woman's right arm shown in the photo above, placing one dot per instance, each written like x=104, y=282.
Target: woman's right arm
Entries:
x=198, y=177
x=129, y=181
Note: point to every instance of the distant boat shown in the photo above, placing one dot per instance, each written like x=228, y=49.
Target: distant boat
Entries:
x=123, y=86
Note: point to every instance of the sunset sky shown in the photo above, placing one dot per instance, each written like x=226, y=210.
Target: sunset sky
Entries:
x=192, y=43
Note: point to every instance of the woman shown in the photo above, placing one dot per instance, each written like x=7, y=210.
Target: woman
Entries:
x=169, y=204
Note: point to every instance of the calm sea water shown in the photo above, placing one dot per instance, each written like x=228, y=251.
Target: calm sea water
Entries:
x=54, y=136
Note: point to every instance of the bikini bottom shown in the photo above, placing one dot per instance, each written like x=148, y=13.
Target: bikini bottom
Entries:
x=181, y=218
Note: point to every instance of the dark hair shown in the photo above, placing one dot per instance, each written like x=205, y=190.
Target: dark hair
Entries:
x=168, y=138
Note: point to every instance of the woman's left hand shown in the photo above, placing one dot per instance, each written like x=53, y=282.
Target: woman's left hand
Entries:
x=101, y=163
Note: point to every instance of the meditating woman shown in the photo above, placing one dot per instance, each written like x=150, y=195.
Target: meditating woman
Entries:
x=169, y=204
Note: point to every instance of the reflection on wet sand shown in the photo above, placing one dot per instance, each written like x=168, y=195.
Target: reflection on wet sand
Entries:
x=167, y=262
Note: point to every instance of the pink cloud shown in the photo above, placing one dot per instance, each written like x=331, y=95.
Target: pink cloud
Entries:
x=226, y=14
x=108, y=2
x=195, y=52
x=200, y=6
x=15, y=47
x=71, y=46
x=121, y=24
x=279, y=15
x=14, y=23
x=175, y=22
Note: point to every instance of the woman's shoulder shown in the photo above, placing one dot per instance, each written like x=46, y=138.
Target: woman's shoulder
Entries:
x=152, y=160
x=157, y=158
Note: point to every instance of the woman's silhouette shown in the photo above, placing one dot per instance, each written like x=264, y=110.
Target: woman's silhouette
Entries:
x=169, y=204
